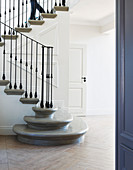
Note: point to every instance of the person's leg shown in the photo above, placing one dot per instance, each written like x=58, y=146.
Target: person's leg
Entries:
x=33, y=9
x=39, y=8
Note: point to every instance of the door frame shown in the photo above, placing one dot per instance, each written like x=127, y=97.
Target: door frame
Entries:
x=84, y=47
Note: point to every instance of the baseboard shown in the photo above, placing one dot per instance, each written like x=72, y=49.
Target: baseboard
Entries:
x=6, y=130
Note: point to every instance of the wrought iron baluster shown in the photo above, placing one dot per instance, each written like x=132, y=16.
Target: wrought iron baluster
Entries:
x=31, y=67
x=55, y=2
x=51, y=104
x=47, y=6
x=26, y=92
x=4, y=56
x=13, y=16
x=21, y=64
x=10, y=85
x=59, y=2
x=52, y=7
x=42, y=92
x=48, y=79
x=0, y=21
x=26, y=24
x=18, y=13
x=16, y=46
x=9, y=32
x=36, y=70
x=22, y=14
x=5, y=20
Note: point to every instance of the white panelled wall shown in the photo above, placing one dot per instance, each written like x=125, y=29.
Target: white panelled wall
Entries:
x=100, y=67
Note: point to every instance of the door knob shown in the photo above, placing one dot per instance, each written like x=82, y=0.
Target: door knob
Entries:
x=84, y=78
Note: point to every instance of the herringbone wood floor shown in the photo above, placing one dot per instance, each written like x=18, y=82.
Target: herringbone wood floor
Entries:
x=96, y=153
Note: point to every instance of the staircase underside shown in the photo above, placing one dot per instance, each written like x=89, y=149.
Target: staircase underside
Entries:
x=73, y=134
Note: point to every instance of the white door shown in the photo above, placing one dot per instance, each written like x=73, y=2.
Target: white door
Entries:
x=77, y=84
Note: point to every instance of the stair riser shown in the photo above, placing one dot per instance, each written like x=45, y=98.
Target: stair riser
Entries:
x=29, y=101
x=40, y=115
x=53, y=141
x=44, y=113
x=62, y=126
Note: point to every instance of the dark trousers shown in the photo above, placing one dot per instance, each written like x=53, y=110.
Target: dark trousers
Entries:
x=34, y=6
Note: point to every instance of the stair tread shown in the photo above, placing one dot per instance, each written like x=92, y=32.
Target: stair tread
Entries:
x=36, y=22
x=14, y=91
x=76, y=127
x=8, y=37
x=39, y=109
x=48, y=15
x=1, y=44
x=4, y=82
x=20, y=29
x=29, y=100
x=61, y=8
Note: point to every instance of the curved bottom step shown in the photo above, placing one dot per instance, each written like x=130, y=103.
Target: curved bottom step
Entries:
x=60, y=120
x=74, y=134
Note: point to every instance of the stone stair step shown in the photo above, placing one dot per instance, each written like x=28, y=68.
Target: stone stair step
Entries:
x=44, y=112
x=8, y=37
x=1, y=44
x=60, y=120
x=4, y=82
x=20, y=29
x=29, y=100
x=74, y=134
x=48, y=15
x=36, y=22
x=61, y=8
x=14, y=91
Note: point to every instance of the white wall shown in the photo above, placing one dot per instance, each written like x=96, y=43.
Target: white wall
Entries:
x=100, y=67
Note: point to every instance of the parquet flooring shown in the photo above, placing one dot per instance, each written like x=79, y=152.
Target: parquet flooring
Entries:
x=96, y=153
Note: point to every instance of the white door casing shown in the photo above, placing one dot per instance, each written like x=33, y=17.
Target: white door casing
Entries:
x=77, y=86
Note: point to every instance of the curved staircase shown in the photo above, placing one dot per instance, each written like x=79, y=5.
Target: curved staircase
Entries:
x=49, y=126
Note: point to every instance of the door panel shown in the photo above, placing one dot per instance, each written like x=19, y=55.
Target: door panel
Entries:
x=124, y=109
x=127, y=158
x=77, y=86
x=75, y=65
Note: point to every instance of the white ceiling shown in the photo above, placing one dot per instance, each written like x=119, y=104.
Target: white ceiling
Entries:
x=92, y=12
